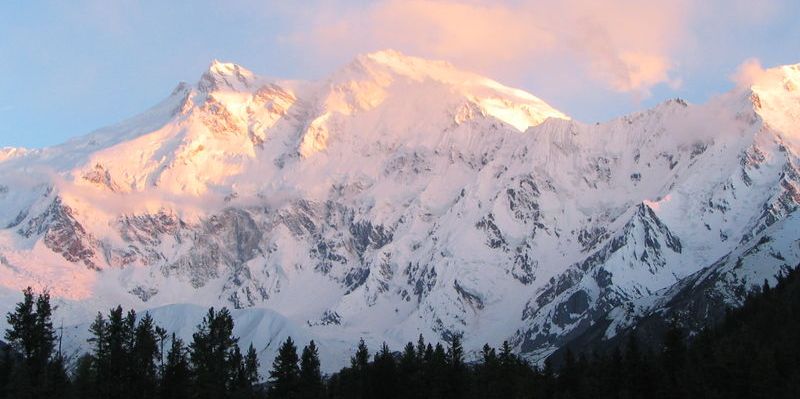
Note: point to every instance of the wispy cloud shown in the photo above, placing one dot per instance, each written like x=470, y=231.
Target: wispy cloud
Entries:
x=751, y=73
x=624, y=44
x=627, y=46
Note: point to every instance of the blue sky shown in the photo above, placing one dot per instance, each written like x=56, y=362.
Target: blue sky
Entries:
x=69, y=67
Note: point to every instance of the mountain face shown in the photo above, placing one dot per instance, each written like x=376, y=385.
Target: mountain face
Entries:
x=400, y=197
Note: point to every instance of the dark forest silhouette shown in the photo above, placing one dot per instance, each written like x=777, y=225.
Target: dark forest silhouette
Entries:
x=754, y=353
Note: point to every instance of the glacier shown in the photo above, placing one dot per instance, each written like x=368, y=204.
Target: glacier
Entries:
x=401, y=196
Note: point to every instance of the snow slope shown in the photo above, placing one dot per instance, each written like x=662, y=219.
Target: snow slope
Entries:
x=397, y=197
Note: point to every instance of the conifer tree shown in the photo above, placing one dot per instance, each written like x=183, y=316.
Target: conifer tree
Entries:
x=44, y=334
x=112, y=366
x=359, y=365
x=7, y=365
x=384, y=376
x=360, y=361
x=421, y=350
x=239, y=386
x=487, y=374
x=145, y=351
x=251, y=365
x=408, y=372
x=210, y=353
x=437, y=369
x=507, y=364
x=57, y=383
x=176, y=377
x=40, y=373
x=285, y=373
x=21, y=334
x=83, y=379
x=456, y=373
x=311, y=386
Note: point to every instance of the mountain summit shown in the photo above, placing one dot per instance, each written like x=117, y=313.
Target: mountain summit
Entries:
x=401, y=196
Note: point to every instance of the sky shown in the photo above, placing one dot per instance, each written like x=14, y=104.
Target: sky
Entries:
x=69, y=67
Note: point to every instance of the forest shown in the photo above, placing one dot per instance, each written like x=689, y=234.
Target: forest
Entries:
x=753, y=353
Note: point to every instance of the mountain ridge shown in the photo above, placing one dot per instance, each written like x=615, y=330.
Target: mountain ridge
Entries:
x=408, y=196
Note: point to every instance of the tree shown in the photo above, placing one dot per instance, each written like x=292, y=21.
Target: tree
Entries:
x=21, y=334
x=83, y=379
x=408, y=371
x=251, y=365
x=7, y=365
x=285, y=373
x=210, y=353
x=507, y=363
x=384, y=380
x=359, y=365
x=360, y=361
x=41, y=372
x=420, y=349
x=143, y=357
x=176, y=378
x=311, y=386
x=457, y=371
x=487, y=374
x=57, y=383
x=114, y=340
x=437, y=370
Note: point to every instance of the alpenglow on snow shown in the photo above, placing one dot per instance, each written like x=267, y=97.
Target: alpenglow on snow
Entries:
x=401, y=196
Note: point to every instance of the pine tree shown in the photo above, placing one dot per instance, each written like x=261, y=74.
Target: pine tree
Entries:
x=91, y=379
x=285, y=373
x=310, y=384
x=21, y=334
x=457, y=372
x=437, y=369
x=112, y=366
x=210, y=353
x=507, y=365
x=7, y=365
x=420, y=350
x=384, y=376
x=408, y=372
x=44, y=334
x=41, y=372
x=251, y=365
x=143, y=357
x=176, y=377
x=83, y=379
x=487, y=374
x=57, y=383
x=359, y=365
x=239, y=386
x=360, y=361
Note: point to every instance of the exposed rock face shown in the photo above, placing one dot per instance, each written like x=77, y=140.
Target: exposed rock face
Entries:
x=62, y=234
x=402, y=196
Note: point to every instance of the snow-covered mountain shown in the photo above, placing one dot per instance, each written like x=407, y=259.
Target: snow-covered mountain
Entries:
x=402, y=196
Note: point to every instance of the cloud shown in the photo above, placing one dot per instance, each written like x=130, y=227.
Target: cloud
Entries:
x=749, y=73
x=625, y=45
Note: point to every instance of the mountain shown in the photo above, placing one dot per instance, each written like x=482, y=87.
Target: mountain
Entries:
x=401, y=196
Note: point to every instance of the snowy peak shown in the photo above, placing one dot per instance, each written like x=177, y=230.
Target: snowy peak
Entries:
x=775, y=96
x=370, y=78
x=403, y=194
x=226, y=76
x=413, y=67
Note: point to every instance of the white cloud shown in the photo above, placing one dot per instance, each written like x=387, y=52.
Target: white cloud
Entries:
x=624, y=44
